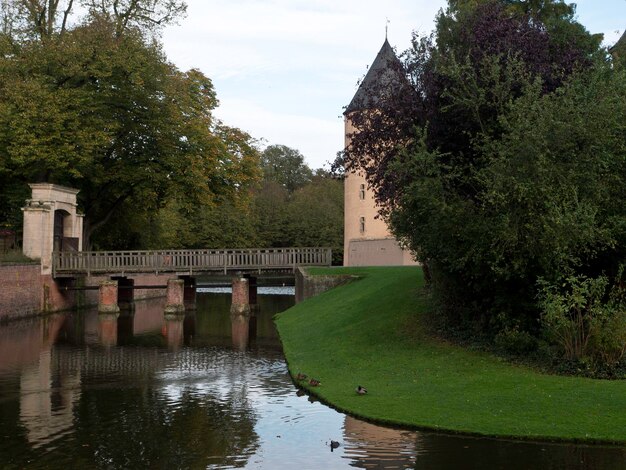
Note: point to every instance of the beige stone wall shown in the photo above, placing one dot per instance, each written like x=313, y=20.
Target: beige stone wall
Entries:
x=367, y=240
x=38, y=242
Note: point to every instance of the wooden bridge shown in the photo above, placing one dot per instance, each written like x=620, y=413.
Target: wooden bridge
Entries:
x=187, y=262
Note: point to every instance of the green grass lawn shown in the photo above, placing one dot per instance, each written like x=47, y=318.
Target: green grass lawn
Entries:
x=368, y=333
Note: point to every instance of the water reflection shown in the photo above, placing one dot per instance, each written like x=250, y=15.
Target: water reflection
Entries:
x=47, y=400
x=370, y=446
x=240, y=331
x=107, y=329
x=174, y=332
x=204, y=391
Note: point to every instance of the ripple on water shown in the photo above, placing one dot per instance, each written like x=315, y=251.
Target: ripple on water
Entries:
x=210, y=406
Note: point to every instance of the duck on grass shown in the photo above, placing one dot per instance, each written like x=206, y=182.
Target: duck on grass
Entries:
x=370, y=330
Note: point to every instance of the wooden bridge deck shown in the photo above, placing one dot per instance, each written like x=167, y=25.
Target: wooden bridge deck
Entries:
x=71, y=263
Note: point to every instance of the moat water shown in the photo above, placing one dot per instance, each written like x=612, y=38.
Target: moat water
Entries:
x=84, y=391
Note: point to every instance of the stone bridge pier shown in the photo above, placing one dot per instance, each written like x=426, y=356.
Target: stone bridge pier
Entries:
x=243, y=310
x=244, y=298
x=117, y=295
x=175, y=303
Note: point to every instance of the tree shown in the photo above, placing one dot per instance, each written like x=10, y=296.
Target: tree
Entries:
x=487, y=64
x=44, y=19
x=285, y=166
x=315, y=215
x=460, y=77
x=270, y=207
x=101, y=109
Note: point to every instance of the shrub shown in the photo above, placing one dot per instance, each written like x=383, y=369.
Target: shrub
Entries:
x=513, y=340
x=585, y=319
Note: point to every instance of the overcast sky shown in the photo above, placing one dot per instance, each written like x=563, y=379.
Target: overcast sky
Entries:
x=284, y=69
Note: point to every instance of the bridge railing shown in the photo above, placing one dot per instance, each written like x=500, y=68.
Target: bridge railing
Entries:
x=74, y=262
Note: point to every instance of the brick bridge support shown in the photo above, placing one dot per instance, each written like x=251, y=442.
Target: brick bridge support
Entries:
x=243, y=310
x=107, y=298
x=175, y=303
x=244, y=298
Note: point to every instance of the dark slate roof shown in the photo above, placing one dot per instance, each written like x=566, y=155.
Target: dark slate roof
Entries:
x=384, y=75
x=621, y=43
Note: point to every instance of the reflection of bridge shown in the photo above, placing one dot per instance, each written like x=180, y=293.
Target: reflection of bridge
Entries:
x=187, y=262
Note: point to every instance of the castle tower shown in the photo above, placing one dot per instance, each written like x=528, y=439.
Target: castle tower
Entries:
x=618, y=50
x=367, y=240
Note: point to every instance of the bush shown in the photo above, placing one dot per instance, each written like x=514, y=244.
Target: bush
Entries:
x=512, y=340
x=586, y=320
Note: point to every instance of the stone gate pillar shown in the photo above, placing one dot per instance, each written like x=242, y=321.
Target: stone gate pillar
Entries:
x=51, y=223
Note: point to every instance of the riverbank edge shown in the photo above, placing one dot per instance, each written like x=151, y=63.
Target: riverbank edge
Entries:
x=298, y=357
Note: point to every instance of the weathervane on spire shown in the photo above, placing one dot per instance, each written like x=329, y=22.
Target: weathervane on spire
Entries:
x=386, y=27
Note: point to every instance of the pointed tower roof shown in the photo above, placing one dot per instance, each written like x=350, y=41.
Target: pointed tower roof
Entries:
x=384, y=75
x=620, y=44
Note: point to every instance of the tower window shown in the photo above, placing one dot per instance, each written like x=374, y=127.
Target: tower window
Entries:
x=362, y=224
x=362, y=192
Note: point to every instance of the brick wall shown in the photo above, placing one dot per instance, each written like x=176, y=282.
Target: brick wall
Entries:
x=20, y=290
x=25, y=292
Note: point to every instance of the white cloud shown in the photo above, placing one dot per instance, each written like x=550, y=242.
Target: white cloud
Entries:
x=283, y=69
x=317, y=139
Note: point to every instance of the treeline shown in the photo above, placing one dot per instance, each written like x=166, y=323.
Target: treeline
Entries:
x=501, y=162
x=291, y=205
x=89, y=100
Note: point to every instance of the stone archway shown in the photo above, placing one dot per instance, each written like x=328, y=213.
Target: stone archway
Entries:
x=63, y=239
x=51, y=223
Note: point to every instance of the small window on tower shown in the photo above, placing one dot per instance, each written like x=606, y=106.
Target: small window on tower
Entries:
x=362, y=192
x=362, y=224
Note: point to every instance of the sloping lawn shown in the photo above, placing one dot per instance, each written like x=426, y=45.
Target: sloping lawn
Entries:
x=368, y=333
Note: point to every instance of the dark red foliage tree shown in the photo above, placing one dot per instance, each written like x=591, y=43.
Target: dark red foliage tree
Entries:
x=540, y=35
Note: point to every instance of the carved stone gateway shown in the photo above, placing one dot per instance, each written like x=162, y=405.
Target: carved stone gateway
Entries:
x=51, y=223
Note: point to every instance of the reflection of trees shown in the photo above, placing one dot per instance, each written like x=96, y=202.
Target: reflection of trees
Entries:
x=139, y=428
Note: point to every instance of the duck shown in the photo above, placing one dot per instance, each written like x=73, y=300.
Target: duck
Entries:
x=361, y=390
x=334, y=445
x=314, y=382
x=301, y=376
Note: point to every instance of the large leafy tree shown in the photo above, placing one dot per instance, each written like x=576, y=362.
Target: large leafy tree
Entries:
x=285, y=166
x=315, y=215
x=296, y=206
x=44, y=19
x=436, y=154
x=97, y=106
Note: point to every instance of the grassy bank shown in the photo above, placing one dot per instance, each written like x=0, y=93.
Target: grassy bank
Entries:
x=367, y=333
